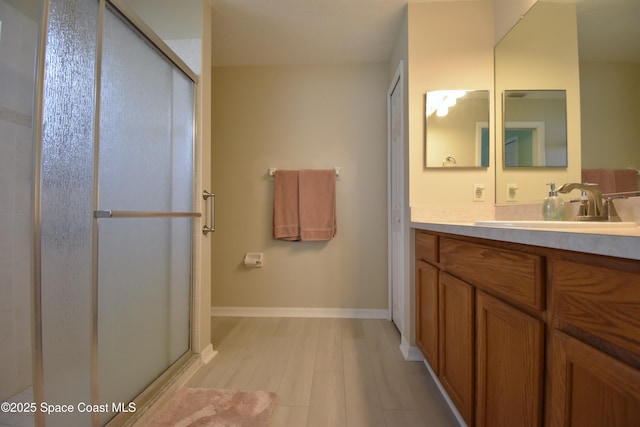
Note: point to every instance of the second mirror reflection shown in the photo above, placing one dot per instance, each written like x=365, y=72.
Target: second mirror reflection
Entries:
x=457, y=128
x=535, y=128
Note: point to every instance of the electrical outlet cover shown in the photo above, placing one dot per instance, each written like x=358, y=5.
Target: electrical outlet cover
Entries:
x=478, y=192
x=512, y=192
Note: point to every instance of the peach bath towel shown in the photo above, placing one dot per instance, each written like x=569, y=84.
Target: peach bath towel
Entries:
x=626, y=180
x=604, y=178
x=317, y=200
x=612, y=180
x=286, y=220
x=304, y=205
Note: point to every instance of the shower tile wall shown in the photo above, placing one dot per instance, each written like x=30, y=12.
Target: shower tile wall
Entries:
x=17, y=51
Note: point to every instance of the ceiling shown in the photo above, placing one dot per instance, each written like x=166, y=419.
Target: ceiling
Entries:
x=284, y=32
x=268, y=32
x=291, y=32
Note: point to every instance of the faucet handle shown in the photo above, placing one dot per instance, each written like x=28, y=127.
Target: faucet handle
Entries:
x=609, y=210
x=583, y=210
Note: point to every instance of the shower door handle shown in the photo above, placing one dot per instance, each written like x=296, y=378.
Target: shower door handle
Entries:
x=206, y=229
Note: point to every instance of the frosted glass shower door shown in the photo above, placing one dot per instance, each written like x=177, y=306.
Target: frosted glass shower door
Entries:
x=145, y=183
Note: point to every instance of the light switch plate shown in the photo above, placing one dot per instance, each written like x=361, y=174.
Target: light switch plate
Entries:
x=478, y=192
x=512, y=192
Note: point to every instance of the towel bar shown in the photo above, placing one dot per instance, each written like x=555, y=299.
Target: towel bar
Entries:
x=272, y=172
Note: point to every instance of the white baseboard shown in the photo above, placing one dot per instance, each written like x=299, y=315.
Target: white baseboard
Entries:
x=347, y=313
x=410, y=353
x=207, y=354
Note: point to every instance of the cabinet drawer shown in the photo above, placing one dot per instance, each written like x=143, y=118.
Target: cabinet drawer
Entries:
x=513, y=275
x=598, y=300
x=426, y=246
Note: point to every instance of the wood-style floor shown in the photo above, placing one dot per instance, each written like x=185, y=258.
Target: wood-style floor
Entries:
x=326, y=372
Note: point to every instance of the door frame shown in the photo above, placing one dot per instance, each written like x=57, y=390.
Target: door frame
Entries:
x=397, y=82
x=538, y=155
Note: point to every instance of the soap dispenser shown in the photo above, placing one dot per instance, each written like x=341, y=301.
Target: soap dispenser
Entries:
x=553, y=206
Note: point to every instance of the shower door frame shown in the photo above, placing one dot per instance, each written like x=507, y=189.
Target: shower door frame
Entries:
x=183, y=362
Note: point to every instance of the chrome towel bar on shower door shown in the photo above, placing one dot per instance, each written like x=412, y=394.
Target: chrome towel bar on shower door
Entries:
x=144, y=214
x=206, y=229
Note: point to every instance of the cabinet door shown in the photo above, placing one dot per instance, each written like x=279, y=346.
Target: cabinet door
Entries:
x=456, y=356
x=590, y=388
x=427, y=312
x=509, y=352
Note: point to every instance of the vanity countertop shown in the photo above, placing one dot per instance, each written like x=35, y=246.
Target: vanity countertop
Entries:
x=622, y=243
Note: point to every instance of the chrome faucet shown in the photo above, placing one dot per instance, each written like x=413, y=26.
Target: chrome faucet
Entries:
x=595, y=211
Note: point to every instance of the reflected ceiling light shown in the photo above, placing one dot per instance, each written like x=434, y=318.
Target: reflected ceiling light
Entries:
x=439, y=101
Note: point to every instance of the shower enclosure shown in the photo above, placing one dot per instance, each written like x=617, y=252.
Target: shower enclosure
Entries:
x=96, y=207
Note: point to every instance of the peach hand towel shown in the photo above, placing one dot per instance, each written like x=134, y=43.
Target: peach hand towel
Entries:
x=317, y=200
x=626, y=180
x=286, y=223
x=604, y=178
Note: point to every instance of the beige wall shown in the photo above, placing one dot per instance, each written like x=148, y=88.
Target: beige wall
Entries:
x=438, y=44
x=610, y=101
x=450, y=46
x=507, y=13
x=300, y=117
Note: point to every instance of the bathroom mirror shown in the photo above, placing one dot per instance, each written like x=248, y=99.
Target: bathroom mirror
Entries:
x=457, y=129
x=590, y=49
x=609, y=49
x=535, y=128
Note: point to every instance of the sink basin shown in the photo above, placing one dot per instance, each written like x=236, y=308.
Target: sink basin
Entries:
x=558, y=224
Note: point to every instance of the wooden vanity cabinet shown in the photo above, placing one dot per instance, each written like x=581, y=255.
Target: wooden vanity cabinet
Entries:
x=444, y=324
x=508, y=345
x=490, y=354
x=594, y=372
x=504, y=325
